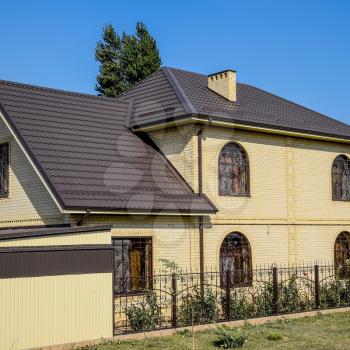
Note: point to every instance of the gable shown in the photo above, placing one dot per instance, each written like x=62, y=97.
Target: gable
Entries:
x=28, y=202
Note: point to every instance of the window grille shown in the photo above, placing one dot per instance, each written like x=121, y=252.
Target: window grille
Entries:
x=233, y=170
x=342, y=254
x=132, y=264
x=341, y=178
x=4, y=170
x=236, y=257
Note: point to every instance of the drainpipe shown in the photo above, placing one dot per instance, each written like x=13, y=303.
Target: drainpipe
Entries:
x=200, y=219
x=84, y=217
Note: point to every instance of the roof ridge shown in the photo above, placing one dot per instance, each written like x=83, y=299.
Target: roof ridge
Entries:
x=55, y=90
x=180, y=93
x=294, y=103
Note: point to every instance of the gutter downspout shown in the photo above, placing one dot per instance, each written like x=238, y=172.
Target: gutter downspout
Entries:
x=84, y=217
x=200, y=218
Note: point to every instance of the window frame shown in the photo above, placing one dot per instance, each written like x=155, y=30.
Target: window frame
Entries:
x=244, y=151
x=6, y=195
x=332, y=178
x=148, y=277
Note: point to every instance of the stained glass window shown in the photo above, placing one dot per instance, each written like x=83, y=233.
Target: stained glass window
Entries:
x=132, y=264
x=342, y=254
x=341, y=178
x=4, y=170
x=233, y=170
x=236, y=257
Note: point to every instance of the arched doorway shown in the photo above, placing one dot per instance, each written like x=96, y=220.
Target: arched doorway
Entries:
x=342, y=254
x=236, y=257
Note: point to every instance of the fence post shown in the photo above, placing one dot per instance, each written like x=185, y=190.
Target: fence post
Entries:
x=228, y=294
x=173, y=301
x=317, y=286
x=275, y=290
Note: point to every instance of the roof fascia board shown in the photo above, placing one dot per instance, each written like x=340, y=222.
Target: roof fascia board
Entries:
x=180, y=93
x=272, y=131
x=25, y=148
x=202, y=119
x=41, y=232
x=134, y=212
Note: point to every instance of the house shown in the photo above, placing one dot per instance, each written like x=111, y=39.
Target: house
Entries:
x=200, y=170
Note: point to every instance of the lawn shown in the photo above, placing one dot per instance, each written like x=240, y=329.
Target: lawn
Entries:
x=320, y=332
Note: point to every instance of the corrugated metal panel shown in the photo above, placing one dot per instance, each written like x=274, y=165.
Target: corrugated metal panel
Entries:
x=42, y=311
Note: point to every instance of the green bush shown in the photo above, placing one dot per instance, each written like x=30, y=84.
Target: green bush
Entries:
x=194, y=308
x=146, y=314
x=228, y=338
x=273, y=336
x=294, y=298
x=335, y=293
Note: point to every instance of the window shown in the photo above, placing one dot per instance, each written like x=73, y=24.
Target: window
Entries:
x=236, y=257
x=342, y=254
x=233, y=170
x=4, y=170
x=132, y=264
x=341, y=179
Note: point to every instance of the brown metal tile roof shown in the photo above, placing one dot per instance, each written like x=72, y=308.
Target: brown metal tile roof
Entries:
x=87, y=155
x=191, y=96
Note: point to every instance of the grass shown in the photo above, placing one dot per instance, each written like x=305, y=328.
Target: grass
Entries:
x=322, y=332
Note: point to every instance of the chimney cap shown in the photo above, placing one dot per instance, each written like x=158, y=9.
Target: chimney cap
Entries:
x=222, y=71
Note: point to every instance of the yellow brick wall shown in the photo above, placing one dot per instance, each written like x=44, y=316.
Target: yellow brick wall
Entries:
x=28, y=203
x=290, y=215
x=179, y=144
x=173, y=238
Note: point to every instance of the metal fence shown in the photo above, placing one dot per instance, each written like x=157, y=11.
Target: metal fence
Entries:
x=183, y=299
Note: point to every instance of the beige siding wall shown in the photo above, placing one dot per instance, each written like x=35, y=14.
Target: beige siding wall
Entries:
x=28, y=203
x=42, y=311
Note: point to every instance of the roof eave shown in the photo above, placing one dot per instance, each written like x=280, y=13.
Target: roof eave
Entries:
x=166, y=212
x=231, y=123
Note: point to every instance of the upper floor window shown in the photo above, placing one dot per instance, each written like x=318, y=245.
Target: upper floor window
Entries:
x=233, y=170
x=341, y=178
x=4, y=170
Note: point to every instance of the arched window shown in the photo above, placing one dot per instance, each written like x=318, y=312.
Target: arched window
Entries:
x=341, y=178
x=342, y=254
x=236, y=257
x=233, y=170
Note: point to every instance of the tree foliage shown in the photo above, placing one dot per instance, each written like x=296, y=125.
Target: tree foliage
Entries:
x=125, y=60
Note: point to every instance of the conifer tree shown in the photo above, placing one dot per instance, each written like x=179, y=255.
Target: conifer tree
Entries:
x=125, y=60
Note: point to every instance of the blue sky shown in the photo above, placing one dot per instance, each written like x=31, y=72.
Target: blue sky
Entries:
x=297, y=49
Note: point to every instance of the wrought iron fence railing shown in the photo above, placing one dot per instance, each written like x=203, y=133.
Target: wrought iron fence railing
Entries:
x=182, y=299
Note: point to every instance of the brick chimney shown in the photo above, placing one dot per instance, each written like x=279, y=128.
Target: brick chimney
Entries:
x=224, y=84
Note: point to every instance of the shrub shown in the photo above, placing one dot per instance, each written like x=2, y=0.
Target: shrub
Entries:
x=273, y=336
x=294, y=298
x=334, y=293
x=241, y=304
x=146, y=314
x=197, y=309
x=228, y=338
